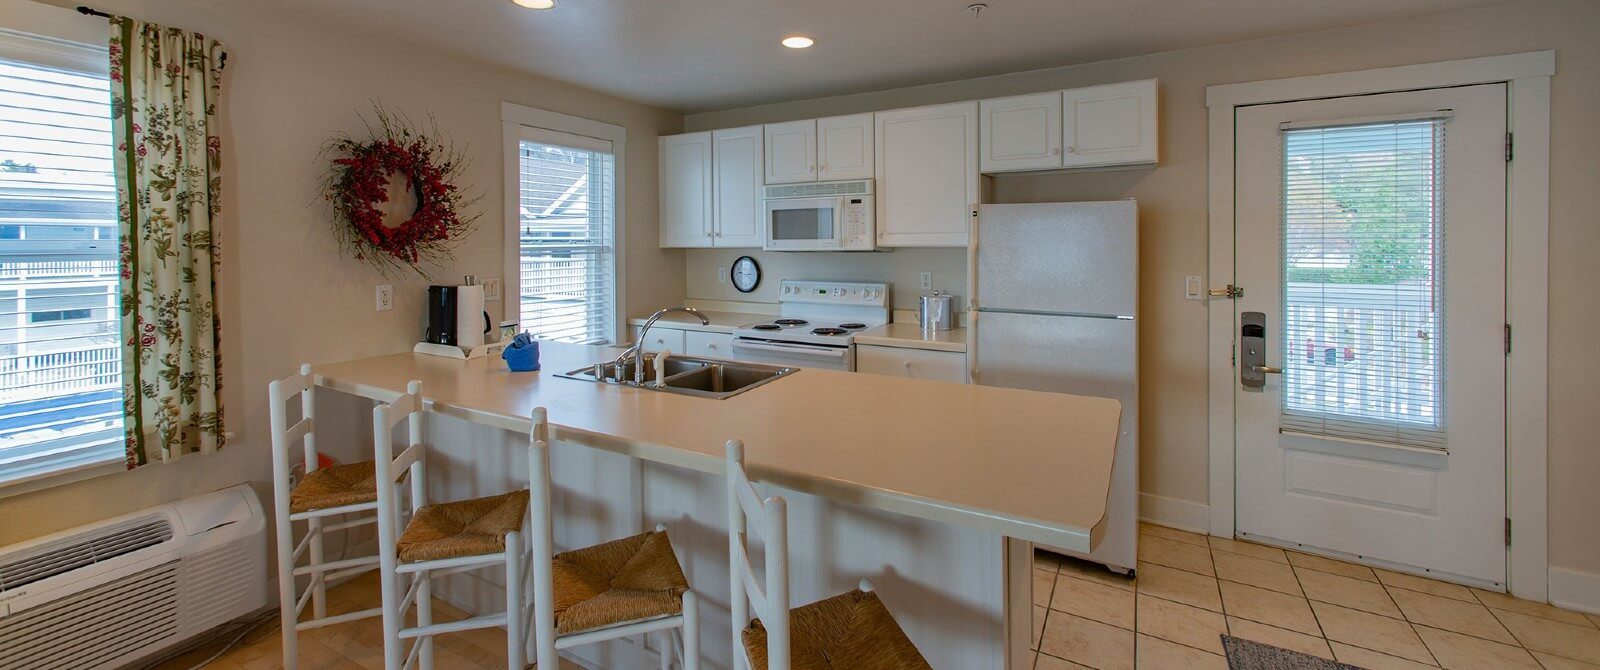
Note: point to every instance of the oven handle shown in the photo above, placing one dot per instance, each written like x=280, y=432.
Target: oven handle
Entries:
x=793, y=349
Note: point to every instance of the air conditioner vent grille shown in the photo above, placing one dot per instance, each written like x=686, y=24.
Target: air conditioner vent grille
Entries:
x=81, y=551
x=93, y=627
x=820, y=189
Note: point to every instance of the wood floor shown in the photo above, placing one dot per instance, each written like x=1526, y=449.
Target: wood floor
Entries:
x=354, y=645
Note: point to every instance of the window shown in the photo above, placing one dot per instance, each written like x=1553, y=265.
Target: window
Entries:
x=60, y=349
x=566, y=215
x=1363, y=242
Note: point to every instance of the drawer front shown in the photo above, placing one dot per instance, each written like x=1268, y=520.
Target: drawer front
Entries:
x=709, y=345
x=662, y=338
x=912, y=363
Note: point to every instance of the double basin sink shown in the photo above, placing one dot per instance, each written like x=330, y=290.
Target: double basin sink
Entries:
x=686, y=375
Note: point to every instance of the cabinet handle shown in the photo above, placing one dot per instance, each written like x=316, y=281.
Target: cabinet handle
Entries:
x=1072, y=150
x=1055, y=151
x=811, y=168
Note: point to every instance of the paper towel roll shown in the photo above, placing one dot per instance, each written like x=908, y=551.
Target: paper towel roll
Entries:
x=471, y=321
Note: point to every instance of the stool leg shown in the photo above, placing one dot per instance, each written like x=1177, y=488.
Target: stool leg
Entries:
x=424, y=618
x=515, y=626
x=666, y=649
x=286, y=594
x=691, y=630
x=319, y=593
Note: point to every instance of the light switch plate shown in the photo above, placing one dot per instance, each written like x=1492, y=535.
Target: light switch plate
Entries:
x=722, y=275
x=1191, y=288
x=491, y=290
x=385, y=297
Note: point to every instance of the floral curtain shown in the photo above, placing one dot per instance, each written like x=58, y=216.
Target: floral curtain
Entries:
x=164, y=88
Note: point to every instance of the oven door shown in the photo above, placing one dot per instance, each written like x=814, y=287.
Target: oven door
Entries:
x=804, y=224
x=794, y=354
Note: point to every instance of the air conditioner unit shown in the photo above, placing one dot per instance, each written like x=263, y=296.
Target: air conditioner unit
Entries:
x=110, y=593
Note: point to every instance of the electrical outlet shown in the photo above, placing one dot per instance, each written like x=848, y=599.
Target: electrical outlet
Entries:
x=385, y=297
x=722, y=275
x=1191, y=287
x=491, y=290
x=926, y=280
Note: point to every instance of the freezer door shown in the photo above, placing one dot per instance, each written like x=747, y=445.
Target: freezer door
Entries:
x=1080, y=257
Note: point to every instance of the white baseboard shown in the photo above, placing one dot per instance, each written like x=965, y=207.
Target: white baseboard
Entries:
x=1575, y=590
x=1180, y=514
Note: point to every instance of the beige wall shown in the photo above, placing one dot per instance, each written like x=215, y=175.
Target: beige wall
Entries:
x=1172, y=201
x=287, y=295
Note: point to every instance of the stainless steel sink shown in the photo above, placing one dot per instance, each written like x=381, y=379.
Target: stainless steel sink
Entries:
x=702, y=377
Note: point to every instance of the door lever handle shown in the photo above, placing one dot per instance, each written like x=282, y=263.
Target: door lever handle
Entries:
x=1267, y=369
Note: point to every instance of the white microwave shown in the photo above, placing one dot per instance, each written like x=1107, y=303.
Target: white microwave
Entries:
x=824, y=216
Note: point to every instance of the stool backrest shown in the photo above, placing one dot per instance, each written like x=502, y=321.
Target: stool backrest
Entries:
x=279, y=392
x=770, y=518
x=388, y=467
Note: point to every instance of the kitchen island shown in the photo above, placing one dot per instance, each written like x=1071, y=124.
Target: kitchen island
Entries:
x=931, y=489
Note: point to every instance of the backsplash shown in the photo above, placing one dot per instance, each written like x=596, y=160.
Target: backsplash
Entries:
x=901, y=268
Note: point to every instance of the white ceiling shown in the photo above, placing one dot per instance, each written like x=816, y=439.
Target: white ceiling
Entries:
x=699, y=55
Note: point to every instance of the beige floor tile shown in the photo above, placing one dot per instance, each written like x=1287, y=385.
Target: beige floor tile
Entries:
x=1048, y=662
x=1044, y=560
x=1329, y=565
x=1455, y=651
x=1172, y=533
x=1094, y=572
x=1158, y=654
x=1594, y=619
x=1268, y=607
x=1562, y=639
x=1090, y=643
x=1192, y=626
x=1256, y=572
x=1043, y=582
x=1279, y=637
x=1180, y=586
x=1371, y=631
x=1430, y=586
x=1250, y=549
x=1347, y=592
x=1501, y=601
x=1553, y=662
x=1371, y=660
x=1174, y=554
x=1092, y=600
x=1452, y=615
x=1039, y=614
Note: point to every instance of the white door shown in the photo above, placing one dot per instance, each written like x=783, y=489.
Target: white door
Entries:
x=685, y=200
x=1114, y=124
x=927, y=166
x=1022, y=132
x=736, y=196
x=791, y=152
x=1371, y=250
x=844, y=147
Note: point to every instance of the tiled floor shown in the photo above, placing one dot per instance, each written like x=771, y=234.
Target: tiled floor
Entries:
x=1192, y=588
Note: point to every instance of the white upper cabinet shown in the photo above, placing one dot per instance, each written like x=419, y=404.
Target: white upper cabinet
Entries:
x=927, y=174
x=844, y=147
x=736, y=168
x=1021, y=132
x=685, y=199
x=791, y=152
x=1113, y=124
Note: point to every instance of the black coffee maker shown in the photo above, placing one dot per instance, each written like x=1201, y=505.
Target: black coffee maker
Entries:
x=442, y=314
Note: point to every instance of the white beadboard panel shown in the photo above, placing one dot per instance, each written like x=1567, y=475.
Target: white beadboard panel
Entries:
x=1174, y=513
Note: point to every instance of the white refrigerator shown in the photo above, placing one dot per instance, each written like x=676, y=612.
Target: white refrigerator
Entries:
x=1054, y=307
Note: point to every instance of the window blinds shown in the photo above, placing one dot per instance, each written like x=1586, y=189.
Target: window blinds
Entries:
x=1363, y=274
x=568, y=254
x=60, y=349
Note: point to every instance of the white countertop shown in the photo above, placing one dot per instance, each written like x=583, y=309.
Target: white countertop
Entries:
x=906, y=335
x=1025, y=464
x=721, y=322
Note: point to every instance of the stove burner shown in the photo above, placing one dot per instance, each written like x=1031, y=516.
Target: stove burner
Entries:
x=852, y=326
x=827, y=331
x=766, y=326
x=791, y=322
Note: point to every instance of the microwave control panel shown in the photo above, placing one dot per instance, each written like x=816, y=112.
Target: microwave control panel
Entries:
x=857, y=222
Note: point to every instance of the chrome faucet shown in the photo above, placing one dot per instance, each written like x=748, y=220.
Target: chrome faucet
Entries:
x=637, y=350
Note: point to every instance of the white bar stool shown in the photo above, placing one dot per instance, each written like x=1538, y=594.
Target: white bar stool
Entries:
x=853, y=626
x=631, y=586
x=322, y=492
x=439, y=540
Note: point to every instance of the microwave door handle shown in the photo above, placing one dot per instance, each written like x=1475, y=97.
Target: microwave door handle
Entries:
x=824, y=352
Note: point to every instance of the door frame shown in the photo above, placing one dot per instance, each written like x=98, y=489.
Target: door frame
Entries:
x=1527, y=77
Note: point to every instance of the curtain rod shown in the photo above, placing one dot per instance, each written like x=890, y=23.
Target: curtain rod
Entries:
x=90, y=11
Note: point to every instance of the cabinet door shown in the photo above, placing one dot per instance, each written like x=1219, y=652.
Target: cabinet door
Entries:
x=791, y=152
x=912, y=363
x=709, y=345
x=736, y=193
x=661, y=338
x=1021, y=132
x=1113, y=124
x=685, y=166
x=927, y=174
x=844, y=147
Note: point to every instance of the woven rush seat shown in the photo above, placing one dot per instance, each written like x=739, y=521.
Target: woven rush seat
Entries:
x=462, y=528
x=334, y=486
x=622, y=580
x=850, y=630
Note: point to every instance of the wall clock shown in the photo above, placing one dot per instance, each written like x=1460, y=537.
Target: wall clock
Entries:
x=746, y=274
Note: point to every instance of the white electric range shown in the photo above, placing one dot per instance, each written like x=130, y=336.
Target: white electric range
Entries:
x=816, y=324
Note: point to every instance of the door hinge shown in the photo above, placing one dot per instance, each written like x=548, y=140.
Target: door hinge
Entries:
x=1231, y=292
x=1508, y=531
x=1509, y=146
x=1508, y=339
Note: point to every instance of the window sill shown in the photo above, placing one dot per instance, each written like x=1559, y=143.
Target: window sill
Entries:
x=54, y=478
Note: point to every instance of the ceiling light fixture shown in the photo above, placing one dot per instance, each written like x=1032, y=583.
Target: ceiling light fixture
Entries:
x=798, y=41
x=535, y=4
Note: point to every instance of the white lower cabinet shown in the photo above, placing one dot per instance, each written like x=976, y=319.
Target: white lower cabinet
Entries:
x=662, y=338
x=709, y=345
x=946, y=366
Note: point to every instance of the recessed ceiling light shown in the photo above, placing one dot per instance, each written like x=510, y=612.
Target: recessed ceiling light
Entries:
x=535, y=4
x=798, y=41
